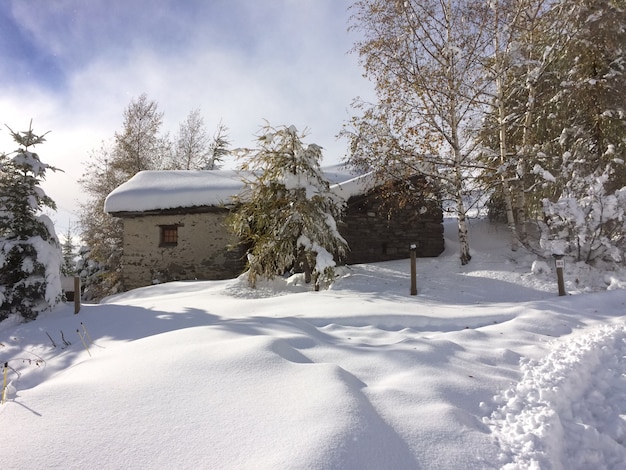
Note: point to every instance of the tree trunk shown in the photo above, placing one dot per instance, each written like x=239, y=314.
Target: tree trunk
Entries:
x=306, y=268
x=506, y=191
x=461, y=216
x=521, y=170
x=463, y=234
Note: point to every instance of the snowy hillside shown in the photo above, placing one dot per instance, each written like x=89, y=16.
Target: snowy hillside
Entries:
x=485, y=368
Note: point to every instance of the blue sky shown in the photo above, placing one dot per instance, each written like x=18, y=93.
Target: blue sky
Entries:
x=73, y=66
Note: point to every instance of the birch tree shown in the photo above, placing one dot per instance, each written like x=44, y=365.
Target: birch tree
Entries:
x=191, y=146
x=513, y=26
x=563, y=125
x=425, y=58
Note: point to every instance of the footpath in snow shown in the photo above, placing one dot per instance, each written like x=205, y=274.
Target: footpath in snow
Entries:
x=569, y=409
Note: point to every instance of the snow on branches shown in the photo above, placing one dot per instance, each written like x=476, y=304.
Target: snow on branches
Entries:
x=30, y=256
x=288, y=215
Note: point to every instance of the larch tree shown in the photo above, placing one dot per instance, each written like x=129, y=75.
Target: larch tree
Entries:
x=101, y=233
x=425, y=58
x=138, y=146
x=287, y=216
x=30, y=255
x=219, y=148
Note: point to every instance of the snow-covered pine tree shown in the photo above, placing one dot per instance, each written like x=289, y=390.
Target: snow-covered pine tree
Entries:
x=68, y=249
x=30, y=256
x=288, y=215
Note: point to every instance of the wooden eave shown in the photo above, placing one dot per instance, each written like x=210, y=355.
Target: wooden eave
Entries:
x=173, y=211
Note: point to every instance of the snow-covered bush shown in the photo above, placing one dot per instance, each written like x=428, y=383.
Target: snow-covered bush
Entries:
x=589, y=228
x=30, y=255
x=288, y=215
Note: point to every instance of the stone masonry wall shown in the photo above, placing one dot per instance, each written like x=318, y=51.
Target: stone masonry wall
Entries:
x=201, y=252
x=375, y=236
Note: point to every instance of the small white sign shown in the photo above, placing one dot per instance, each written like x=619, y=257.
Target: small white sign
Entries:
x=560, y=263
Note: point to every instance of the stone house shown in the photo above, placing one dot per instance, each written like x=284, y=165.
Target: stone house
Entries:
x=174, y=225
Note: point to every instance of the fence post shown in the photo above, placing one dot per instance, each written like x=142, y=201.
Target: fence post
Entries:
x=560, y=264
x=76, y=294
x=4, y=381
x=413, y=249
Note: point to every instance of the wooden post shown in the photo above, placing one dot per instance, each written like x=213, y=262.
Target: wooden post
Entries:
x=560, y=264
x=76, y=294
x=4, y=382
x=413, y=270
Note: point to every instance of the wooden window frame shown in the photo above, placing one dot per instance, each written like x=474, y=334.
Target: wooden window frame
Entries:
x=168, y=235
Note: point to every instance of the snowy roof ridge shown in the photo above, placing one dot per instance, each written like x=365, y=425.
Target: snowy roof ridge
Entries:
x=155, y=190
x=173, y=189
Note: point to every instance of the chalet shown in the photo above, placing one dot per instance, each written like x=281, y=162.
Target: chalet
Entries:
x=174, y=225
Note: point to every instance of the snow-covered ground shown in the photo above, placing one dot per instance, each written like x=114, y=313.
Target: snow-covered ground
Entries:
x=485, y=368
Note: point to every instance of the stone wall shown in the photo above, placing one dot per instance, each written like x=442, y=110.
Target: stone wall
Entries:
x=374, y=234
x=201, y=251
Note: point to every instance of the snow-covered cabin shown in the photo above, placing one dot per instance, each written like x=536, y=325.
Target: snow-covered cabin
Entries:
x=174, y=225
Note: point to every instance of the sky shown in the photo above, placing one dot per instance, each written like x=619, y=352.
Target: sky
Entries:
x=485, y=368
x=73, y=67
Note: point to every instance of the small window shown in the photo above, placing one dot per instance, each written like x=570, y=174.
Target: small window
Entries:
x=169, y=235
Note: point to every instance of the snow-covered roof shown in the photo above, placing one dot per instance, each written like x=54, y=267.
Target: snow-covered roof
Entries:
x=155, y=190
x=160, y=190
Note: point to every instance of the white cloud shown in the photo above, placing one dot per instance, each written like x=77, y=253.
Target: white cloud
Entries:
x=240, y=62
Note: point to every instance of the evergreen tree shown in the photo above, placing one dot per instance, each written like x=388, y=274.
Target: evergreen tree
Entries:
x=288, y=215
x=30, y=257
x=68, y=249
x=94, y=276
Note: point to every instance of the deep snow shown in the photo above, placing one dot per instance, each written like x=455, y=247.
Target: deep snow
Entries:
x=485, y=368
